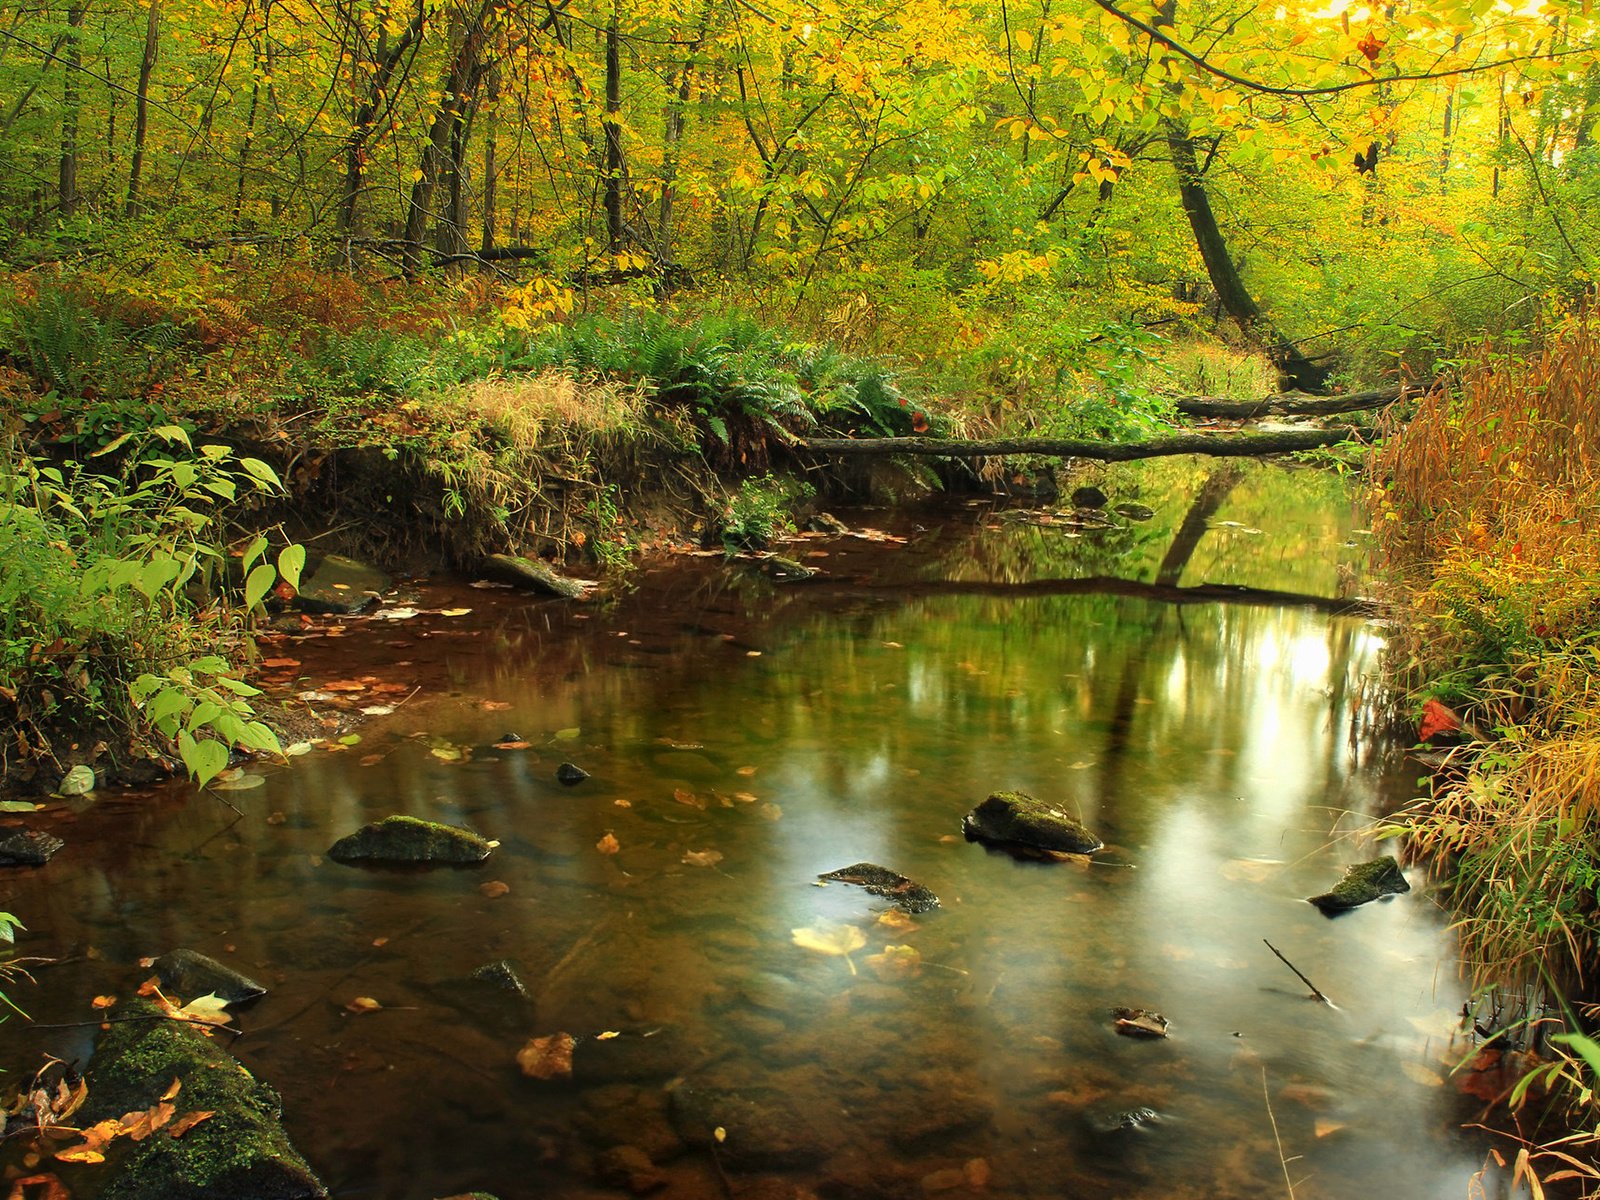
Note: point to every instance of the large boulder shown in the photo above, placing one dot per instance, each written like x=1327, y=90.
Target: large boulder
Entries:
x=240, y=1150
x=1362, y=883
x=1016, y=819
x=410, y=841
x=332, y=583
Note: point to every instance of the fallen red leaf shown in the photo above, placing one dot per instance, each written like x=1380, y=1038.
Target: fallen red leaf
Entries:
x=188, y=1121
x=1436, y=719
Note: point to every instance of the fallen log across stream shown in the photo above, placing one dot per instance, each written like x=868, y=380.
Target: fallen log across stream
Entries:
x=1231, y=445
x=1111, y=585
x=1290, y=405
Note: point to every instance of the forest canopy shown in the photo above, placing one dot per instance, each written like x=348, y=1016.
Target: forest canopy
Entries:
x=1321, y=176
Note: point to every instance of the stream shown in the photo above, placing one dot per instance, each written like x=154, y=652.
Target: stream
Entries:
x=743, y=737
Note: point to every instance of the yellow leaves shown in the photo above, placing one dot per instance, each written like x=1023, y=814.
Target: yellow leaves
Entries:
x=537, y=304
x=548, y=1057
x=896, y=962
x=702, y=858
x=608, y=844
x=362, y=1005
x=835, y=940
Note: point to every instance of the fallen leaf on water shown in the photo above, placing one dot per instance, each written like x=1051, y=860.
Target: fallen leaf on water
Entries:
x=623, y=803
x=276, y=818
x=518, y=745
x=280, y=664
x=494, y=705
x=188, y=1121
x=1418, y=1073
x=896, y=920
x=949, y=839
x=395, y=614
x=567, y=735
x=896, y=962
x=720, y=1134
x=689, y=798
x=1323, y=1127
x=746, y=797
x=977, y=1172
x=102, y=1002
x=547, y=1057
x=350, y=739
x=494, y=889
x=771, y=812
x=84, y=1153
x=203, y=1010
x=345, y=685
x=608, y=845
x=240, y=783
x=173, y=1089
x=745, y=771
x=370, y=760
x=893, y=646
x=703, y=858
x=296, y=749
x=377, y=710
x=380, y=941
x=454, y=612
x=447, y=753
x=607, y=1035
x=836, y=939
x=363, y=1004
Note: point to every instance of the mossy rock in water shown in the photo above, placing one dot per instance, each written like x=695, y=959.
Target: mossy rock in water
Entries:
x=333, y=583
x=240, y=1152
x=1362, y=883
x=410, y=841
x=28, y=848
x=532, y=576
x=908, y=895
x=1016, y=819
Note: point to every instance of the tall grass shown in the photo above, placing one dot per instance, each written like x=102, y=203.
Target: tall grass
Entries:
x=1487, y=508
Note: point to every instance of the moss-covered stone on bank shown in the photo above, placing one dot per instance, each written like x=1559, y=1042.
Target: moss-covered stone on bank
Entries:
x=241, y=1152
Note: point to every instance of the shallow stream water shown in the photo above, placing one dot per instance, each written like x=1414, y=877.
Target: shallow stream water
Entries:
x=743, y=737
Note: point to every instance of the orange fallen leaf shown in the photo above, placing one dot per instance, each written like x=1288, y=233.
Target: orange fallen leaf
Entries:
x=688, y=798
x=494, y=705
x=608, y=845
x=703, y=858
x=514, y=745
x=896, y=920
x=280, y=664
x=345, y=685
x=188, y=1121
x=745, y=771
x=173, y=1089
x=494, y=889
x=140, y=1125
x=380, y=941
x=362, y=1004
x=977, y=1172
x=548, y=1057
x=102, y=1002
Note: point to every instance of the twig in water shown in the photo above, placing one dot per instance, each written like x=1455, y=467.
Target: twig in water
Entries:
x=1316, y=993
x=1277, y=1140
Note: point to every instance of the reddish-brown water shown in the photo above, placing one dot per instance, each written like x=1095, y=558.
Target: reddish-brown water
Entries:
x=792, y=730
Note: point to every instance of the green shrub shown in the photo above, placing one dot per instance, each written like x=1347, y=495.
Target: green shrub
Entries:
x=759, y=512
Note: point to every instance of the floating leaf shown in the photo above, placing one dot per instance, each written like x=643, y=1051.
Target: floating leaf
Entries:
x=140, y=1125
x=837, y=939
x=1418, y=1073
x=977, y=1172
x=350, y=739
x=203, y=1010
x=512, y=745
x=345, y=685
x=494, y=889
x=547, y=1057
x=454, y=612
x=19, y=806
x=771, y=812
x=447, y=753
x=720, y=1134
x=395, y=614
x=688, y=798
x=377, y=710
x=746, y=797
x=608, y=845
x=607, y=1035
x=102, y=1002
x=1139, y=1022
x=280, y=664
x=240, y=783
x=567, y=735
x=703, y=858
x=895, y=919
x=363, y=1004
x=745, y=771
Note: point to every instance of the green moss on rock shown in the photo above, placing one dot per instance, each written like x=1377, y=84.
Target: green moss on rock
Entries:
x=403, y=840
x=239, y=1153
x=1362, y=883
x=1017, y=819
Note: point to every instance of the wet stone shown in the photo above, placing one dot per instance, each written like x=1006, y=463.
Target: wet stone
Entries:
x=28, y=848
x=1134, y=512
x=826, y=523
x=774, y=993
x=906, y=895
x=1363, y=883
x=1114, y=1121
x=1088, y=497
x=764, y=1126
x=532, y=576
x=1016, y=819
x=624, y=1114
x=630, y=1168
x=931, y=1116
x=785, y=570
x=570, y=774
x=501, y=975
x=188, y=973
x=332, y=583
x=403, y=841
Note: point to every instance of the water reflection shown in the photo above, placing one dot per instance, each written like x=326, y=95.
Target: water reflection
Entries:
x=793, y=732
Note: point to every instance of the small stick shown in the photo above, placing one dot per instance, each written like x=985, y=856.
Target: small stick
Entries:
x=1267, y=1096
x=1316, y=993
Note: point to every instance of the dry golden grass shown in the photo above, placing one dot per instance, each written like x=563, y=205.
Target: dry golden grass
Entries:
x=527, y=408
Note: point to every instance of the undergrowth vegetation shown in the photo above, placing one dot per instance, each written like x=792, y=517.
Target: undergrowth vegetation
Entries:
x=1488, y=521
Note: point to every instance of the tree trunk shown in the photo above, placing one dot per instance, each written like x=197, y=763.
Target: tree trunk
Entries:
x=612, y=196
x=1196, y=521
x=141, y=109
x=366, y=114
x=73, y=57
x=1235, y=445
x=491, y=168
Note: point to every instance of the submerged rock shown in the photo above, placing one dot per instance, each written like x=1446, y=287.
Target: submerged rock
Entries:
x=570, y=774
x=188, y=973
x=1088, y=496
x=880, y=881
x=1139, y=1023
x=825, y=522
x=403, y=840
x=333, y=583
x=240, y=1150
x=1109, y=1121
x=1016, y=819
x=28, y=848
x=532, y=576
x=785, y=570
x=502, y=975
x=630, y=1168
x=1134, y=512
x=1362, y=883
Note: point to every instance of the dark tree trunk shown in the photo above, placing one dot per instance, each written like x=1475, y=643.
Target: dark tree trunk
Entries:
x=1234, y=445
x=1195, y=523
x=141, y=107
x=491, y=168
x=361, y=123
x=612, y=196
x=73, y=57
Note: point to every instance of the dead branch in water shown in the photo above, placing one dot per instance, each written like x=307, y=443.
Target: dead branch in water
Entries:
x=1231, y=445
